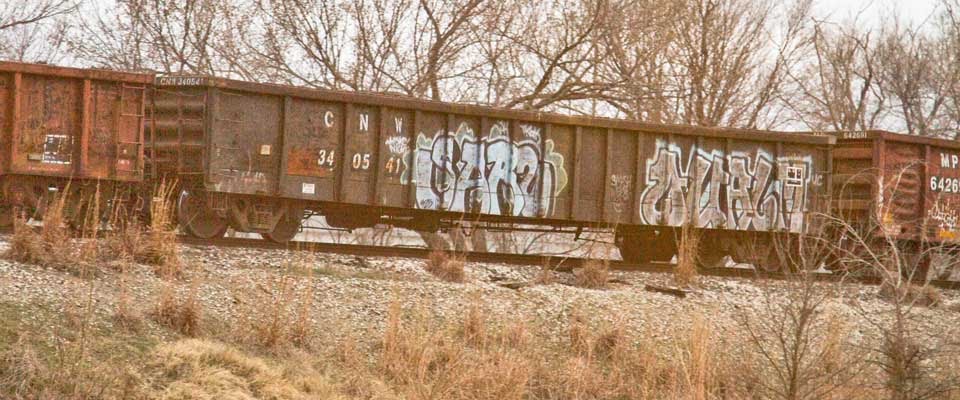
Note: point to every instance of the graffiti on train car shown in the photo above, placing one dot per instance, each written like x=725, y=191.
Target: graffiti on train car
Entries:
x=733, y=191
x=457, y=171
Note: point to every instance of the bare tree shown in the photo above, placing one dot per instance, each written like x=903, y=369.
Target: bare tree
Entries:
x=910, y=74
x=33, y=30
x=838, y=89
x=803, y=349
x=947, y=51
x=720, y=60
x=914, y=363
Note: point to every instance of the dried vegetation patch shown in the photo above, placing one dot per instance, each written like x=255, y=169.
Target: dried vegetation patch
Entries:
x=447, y=267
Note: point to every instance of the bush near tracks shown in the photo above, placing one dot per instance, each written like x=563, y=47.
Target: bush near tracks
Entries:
x=56, y=243
x=445, y=266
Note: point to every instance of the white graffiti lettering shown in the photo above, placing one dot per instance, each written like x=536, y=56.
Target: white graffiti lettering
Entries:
x=398, y=145
x=456, y=171
x=732, y=191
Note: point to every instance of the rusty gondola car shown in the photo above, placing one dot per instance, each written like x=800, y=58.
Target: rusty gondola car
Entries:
x=899, y=189
x=60, y=125
x=257, y=157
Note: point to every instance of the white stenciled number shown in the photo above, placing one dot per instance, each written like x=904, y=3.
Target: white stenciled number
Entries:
x=361, y=161
x=945, y=185
x=393, y=166
x=326, y=158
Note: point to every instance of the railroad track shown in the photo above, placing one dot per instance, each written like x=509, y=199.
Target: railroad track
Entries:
x=558, y=263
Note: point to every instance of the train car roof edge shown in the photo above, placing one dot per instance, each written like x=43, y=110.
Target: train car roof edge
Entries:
x=79, y=73
x=401, y=101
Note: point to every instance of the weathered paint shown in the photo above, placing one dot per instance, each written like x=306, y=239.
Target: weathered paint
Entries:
x=408, y=155
x=917, y=195
x=72, y=123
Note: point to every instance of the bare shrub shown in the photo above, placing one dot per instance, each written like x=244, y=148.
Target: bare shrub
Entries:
x=919, y=295
x=271, y=328
x=545, y=275
x=594, y=275
x=579, y=333
x=26, y=245
x=447, y=267
x=612, y=342
x=179, y=313
x=274, y=316
x=161, y=249
x=685, y=273
x=53, y=245
x=421, y=362
x=474, y=323
x=698, y=368
x=125, y=315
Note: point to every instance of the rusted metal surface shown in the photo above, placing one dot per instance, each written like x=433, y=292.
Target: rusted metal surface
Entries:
x=72, y=123
x=403, y=155
x=907, y=185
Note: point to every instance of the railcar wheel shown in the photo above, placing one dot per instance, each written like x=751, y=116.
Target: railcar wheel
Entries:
x=197, y=219
x=710, y=255
x=287, y=227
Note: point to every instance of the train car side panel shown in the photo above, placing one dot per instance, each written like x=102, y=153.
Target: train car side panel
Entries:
x=900, y=213
x=9, y=109
x=432, y=184
x=47, y=127
x=245, y=143
x=738, y=185
x=359, y=162
x=113, y=146
x=396, y=156
x=558, y=156
x=312, y=148
x=621, y=162
x=940, y=187
x=73, y=123
x=592, y=174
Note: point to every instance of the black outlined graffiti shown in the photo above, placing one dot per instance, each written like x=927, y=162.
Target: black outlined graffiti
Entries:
x=456, y=171
x=732, y=191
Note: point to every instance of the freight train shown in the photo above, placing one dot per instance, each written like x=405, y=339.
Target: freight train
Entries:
x=261, y=158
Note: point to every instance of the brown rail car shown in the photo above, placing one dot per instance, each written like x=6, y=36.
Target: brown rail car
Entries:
x=61, y=125
x=255, y=156
x=903, y=187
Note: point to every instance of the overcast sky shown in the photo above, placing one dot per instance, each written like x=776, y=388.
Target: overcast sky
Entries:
x=840, y=10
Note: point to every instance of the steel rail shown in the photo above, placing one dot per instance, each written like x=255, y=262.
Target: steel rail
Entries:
x=557, y=263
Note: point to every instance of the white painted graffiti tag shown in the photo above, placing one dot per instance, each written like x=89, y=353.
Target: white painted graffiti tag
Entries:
x=398, y=145
x=732, y=191
x=456, y=171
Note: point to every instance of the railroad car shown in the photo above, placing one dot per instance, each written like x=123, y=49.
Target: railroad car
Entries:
x=62, y=125
x=260, y=157
x=899, y=189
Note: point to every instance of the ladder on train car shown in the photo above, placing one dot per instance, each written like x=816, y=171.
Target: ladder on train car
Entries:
x=128, y=153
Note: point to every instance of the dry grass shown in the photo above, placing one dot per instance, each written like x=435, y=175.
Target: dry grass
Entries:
x=685, y=273
x=545, y=276
x=162, y=248
x=909, y=293
x=204, y=369
x=26, y=245
x=277, y=314
x=447, y=267
x=180, y=313
x=594, y=275
x=53, y=245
